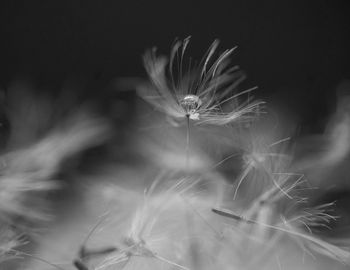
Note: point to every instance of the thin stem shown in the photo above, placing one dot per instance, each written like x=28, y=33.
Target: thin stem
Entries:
x=187, y=143
x=187, y=172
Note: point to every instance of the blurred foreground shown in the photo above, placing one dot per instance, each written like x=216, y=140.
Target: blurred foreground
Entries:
x=90, y=185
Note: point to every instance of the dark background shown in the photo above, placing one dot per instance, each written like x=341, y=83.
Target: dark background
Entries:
x=297, y=51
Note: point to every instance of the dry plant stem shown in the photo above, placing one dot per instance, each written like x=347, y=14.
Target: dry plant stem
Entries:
x=193, y=246
x=187, y=174
x=187, y=143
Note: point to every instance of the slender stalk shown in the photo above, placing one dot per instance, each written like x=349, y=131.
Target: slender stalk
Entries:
x=193, y=245
x=187, y=143
x=187, y=174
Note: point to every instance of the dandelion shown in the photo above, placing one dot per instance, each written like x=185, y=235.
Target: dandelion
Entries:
x=277, y=209
x=305, y=239
x=288, y=217
x=264, y=161
x=300, y=227
x=200, y=92
x=163, y=229
x=150, y=232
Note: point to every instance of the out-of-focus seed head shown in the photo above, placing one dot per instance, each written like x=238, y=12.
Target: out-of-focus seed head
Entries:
x=254, y=159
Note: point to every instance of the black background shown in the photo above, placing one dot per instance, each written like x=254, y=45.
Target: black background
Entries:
x=296, y=50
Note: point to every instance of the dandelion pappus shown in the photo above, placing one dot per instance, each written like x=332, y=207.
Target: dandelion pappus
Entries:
x=200, y=92
x=287, y=228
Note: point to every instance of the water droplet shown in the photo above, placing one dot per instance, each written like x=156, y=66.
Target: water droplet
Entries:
x=191, y=103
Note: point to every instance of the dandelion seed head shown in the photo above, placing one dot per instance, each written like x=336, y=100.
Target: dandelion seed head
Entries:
x=199, y=91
